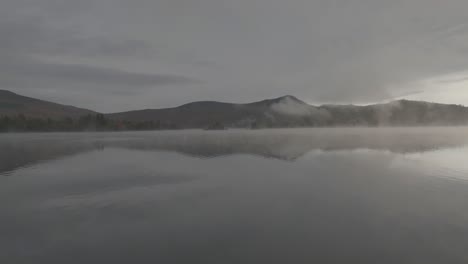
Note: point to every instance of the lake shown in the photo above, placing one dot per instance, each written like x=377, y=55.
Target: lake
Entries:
x=338, y=195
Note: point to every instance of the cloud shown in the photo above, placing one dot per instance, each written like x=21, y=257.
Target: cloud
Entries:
x=166, y=53
x=26, y=67
x=42, y=72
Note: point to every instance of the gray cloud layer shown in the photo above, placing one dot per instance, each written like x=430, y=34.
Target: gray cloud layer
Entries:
x=112, y=55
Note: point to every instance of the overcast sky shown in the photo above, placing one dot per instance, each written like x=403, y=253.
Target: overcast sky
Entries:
x=116, y=55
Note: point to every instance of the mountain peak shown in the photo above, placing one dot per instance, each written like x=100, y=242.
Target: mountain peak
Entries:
x=283, y=99
x=288, y=97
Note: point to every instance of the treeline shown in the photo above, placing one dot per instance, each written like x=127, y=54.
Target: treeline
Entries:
x=97, y=122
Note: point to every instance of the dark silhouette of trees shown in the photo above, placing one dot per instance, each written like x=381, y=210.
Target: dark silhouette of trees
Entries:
x=98, y=122
x=216, y=126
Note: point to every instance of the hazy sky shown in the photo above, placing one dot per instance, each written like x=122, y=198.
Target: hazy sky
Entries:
x=115, y=55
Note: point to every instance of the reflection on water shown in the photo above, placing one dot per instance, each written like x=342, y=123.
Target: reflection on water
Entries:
x=18, y=150
x=268, y=196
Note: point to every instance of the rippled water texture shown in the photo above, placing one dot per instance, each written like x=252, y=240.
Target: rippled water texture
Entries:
x=337, y=195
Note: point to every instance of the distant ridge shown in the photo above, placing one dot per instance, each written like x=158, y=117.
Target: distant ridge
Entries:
x=285, y=111
x=14, y=104
x=289, y=111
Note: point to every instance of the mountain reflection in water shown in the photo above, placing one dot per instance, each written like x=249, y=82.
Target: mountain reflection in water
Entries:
x=18, y=150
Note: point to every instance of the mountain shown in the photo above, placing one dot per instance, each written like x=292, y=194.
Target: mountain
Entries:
x=398, y=113
x=12, y=104
x=285, y=111
x=288, y=111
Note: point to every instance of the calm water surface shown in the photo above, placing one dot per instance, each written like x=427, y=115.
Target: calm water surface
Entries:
x=395, y=195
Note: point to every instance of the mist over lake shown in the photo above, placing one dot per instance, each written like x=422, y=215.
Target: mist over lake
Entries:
x=321, y=195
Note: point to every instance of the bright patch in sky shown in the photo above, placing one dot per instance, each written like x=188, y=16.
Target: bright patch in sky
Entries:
x=450, y=89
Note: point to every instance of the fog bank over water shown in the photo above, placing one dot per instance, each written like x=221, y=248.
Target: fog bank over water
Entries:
x=18, y=150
